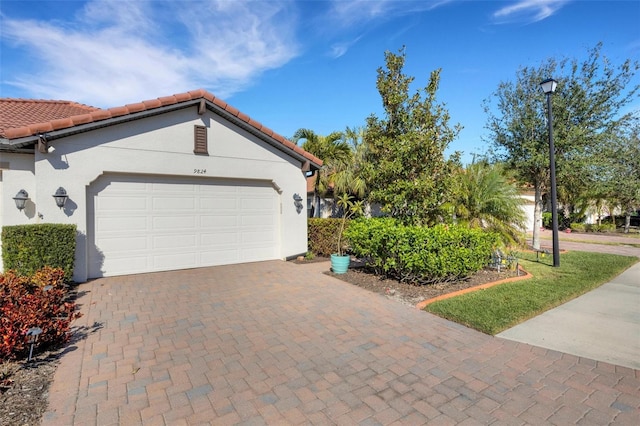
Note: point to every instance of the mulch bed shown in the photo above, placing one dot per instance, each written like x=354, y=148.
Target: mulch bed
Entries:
x=24, y=389
x=407, y=293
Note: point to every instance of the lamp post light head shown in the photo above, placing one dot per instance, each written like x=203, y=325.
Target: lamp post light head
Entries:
x=60, y=197
x=549, y=85
x=21, y=199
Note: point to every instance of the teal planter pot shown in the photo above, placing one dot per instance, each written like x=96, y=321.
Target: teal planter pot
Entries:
x=340, y=264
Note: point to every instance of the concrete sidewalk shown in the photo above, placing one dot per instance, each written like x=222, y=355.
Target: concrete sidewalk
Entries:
x=603, y=324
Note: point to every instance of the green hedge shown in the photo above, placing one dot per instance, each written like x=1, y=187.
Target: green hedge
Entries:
x=578, y=227
x=28, y=248
x=421, y=255
x=323, y=235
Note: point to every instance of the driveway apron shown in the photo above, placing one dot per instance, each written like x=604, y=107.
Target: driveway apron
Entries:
x=279, y=343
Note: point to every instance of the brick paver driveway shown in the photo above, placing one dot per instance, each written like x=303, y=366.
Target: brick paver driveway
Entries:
x=278, y=343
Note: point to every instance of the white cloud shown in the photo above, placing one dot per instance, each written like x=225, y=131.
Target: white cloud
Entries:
x=345, y=13
x=340, y=48
x=116, y=52
x=360, y=15
x=528, y=11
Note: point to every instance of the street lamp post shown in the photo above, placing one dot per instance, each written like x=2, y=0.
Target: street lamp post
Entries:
x=548, y=87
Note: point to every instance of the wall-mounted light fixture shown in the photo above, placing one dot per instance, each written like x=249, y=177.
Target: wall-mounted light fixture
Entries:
x=21, y=198
x=43, y=144
x=60, y=197
x=297, y=202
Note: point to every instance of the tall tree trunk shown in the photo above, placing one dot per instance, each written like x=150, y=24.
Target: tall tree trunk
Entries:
x=318, y=205
x=537, y=216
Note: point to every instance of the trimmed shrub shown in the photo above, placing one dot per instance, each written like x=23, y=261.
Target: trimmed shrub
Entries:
x=442, y=253
x=323, y=235
x=28, y=248
x=607, y=227
x=578, y=227
x=604, y=227
x=37, y=301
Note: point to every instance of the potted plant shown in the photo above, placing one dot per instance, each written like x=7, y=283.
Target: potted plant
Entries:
x=340, y=261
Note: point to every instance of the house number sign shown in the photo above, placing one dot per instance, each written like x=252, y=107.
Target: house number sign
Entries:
x=199, y=171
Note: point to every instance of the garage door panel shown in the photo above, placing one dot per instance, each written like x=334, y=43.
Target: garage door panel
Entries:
x=256, y=252
x=174, y=260
x=126, y=265
x=115, y=204
x=120, y=224
x=221, y=188
x=129, y=186
x=174, y=241
x=219, y=204
x=176, y=203
x=220, y=257
x=154, y=223
x=114, y=244
x=222, y=221
x=169, y=187
x=220, y=239
x=169, y=223
x=255, y=237
x=256, y=220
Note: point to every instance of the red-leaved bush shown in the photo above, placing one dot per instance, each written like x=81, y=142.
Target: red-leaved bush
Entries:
x=36, y=301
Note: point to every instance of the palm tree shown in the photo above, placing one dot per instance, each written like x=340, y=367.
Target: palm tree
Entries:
x=347, y=177
x=486, y=199
x=332, y=149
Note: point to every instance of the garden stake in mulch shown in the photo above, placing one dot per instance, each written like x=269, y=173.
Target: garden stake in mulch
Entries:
x=32, y=336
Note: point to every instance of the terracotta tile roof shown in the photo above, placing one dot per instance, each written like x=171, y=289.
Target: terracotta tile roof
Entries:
x=21, y=113
x=21, y=118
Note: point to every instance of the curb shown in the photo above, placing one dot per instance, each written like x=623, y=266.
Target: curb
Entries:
x=427, y=302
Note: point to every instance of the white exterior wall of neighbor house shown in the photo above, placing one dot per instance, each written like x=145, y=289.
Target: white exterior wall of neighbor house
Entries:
x=528, y=206
x=160, y=145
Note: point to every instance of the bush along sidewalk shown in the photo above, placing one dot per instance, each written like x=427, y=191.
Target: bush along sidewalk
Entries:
x=442, y=253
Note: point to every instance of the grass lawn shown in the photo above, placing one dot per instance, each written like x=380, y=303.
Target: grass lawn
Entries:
x=498, y=308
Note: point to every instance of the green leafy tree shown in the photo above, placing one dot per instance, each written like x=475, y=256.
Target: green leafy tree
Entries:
x=619, y=176
x=486, y=198
x=406, y=171
x=587, y=109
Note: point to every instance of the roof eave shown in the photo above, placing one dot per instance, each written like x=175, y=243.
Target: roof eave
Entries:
x=261, y=134
x=12, y=145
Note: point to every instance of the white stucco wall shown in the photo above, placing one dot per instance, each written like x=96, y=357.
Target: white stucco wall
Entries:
x=159, y=145
x=528, y=206
x=17, y=174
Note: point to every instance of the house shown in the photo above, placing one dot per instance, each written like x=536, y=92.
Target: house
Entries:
x=317, y=205
x=177, y=182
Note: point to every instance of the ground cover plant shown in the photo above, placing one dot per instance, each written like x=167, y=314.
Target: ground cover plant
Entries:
x=42, y=300
x=39, y=300
x=498, y=308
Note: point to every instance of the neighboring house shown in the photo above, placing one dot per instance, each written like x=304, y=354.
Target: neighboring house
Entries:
x=327, y=204
x=528, y=205
x=177, y=182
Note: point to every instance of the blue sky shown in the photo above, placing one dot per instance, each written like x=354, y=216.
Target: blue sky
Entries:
x=293, y=64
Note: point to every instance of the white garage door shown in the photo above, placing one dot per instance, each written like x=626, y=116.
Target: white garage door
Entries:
x=150, y=223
